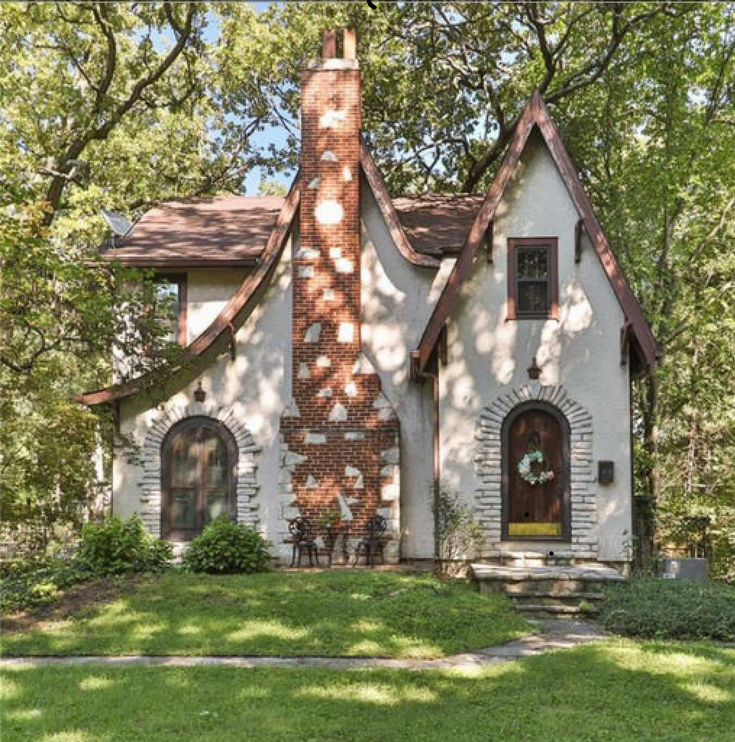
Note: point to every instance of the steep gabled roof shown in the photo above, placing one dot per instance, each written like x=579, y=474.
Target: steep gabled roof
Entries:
x=537, y=115
x=388, y=210
x=232, y=231
x=216, y=231
x=173, y=233
x=437, y=223
x=229, y=319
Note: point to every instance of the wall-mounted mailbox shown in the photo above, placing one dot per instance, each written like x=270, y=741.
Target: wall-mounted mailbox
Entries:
x=605, y=472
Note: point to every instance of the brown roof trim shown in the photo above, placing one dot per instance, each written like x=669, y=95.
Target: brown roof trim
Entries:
x=231, y=317
x=388, y=210
x=185, y=262
x=536, y=114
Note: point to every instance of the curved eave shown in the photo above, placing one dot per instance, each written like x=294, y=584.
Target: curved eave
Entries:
x=537, y=115
x=168, y=263
x=388, y=211
x=238, y=309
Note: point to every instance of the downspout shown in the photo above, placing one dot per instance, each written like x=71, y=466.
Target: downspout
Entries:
x=433, y=374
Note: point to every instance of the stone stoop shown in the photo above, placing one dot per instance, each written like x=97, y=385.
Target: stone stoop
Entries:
x=532, y=558
x=548, y=590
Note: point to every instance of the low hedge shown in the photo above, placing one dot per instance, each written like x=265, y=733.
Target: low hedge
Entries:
x=654, y=608
x=226, y=547
x=118, y=547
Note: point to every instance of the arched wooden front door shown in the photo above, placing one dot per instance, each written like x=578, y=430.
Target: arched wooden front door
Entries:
x=199, y=456
x=535, y=473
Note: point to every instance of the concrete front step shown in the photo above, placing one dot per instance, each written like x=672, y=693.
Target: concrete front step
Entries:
x=529, y=558
x=590, y=572
x=550, y=589
x=557, y=611
x=556, y=587
x=547, y=598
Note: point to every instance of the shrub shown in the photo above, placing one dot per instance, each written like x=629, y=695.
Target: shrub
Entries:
x=118, y=547
x=26, y=585
x=458, y=535
x=226, y=548
x=670, y=609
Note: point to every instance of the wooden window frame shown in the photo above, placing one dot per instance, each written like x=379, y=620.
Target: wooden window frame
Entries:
x=167, y=531
x=552, y=246
x=181, y=280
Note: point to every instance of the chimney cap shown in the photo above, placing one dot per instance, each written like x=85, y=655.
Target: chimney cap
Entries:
x=329, y=44
x=349, y=44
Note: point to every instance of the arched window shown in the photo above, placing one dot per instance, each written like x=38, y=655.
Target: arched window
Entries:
x=199, y=457
x=535, y=440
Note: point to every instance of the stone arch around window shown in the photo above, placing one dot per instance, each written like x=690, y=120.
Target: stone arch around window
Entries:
x=246, y=488
x=488, y=464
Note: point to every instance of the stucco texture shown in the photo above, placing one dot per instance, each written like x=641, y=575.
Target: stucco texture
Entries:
x=580, y=353
x=251, y=390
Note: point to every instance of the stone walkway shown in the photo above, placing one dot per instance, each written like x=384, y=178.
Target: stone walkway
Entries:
x=553, y=635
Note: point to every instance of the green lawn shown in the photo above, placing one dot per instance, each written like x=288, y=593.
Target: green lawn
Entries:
x=614, y=691
x=328, y=613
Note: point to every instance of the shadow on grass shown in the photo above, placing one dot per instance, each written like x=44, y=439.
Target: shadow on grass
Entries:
x=614, y=691
x=286, y=614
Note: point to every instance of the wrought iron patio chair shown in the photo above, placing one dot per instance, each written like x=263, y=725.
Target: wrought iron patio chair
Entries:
x=374, y=542
x=303, y=541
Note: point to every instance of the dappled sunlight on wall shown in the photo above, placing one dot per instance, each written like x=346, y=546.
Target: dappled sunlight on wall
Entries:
x=208, y=292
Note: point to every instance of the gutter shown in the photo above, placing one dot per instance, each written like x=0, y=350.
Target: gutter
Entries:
x=421, y=375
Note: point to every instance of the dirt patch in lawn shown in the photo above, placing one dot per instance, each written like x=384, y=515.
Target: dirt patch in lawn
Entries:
x=77, y=599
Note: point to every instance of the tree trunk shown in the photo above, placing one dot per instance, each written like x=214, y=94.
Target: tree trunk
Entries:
x=647, y=502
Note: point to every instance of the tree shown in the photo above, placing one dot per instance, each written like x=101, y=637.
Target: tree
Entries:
x=103, y=105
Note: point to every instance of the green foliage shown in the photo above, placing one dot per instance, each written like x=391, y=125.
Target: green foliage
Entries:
x=118, y=547
x=458, y=535
x=670, y=609
x=103, y=106
x=226, y=547
x=24, y=585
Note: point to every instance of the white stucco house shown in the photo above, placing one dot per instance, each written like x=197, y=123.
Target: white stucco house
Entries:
x=346, y=351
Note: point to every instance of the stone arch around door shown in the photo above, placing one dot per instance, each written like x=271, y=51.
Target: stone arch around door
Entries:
x=582, y=502
x=246, y=485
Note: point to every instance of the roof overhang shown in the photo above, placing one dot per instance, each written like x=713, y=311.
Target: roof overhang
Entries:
x=146, y=262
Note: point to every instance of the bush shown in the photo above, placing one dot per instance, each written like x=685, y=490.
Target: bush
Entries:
x=226, y=548
x=118, y=547
x=28, y=584
x=670, y=609
x=458, y=535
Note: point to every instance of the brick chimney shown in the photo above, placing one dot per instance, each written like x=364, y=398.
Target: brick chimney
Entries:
x=340, y=433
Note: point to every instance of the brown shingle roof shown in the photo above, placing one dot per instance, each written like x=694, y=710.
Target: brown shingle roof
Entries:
x=233, y=230
x=222, y=230
x=436, y=223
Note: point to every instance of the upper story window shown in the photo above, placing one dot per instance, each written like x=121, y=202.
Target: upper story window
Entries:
x=169, y=296
x=533, y=283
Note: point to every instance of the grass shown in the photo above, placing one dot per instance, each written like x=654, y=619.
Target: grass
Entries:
x=288, y=614
x=613, y=691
